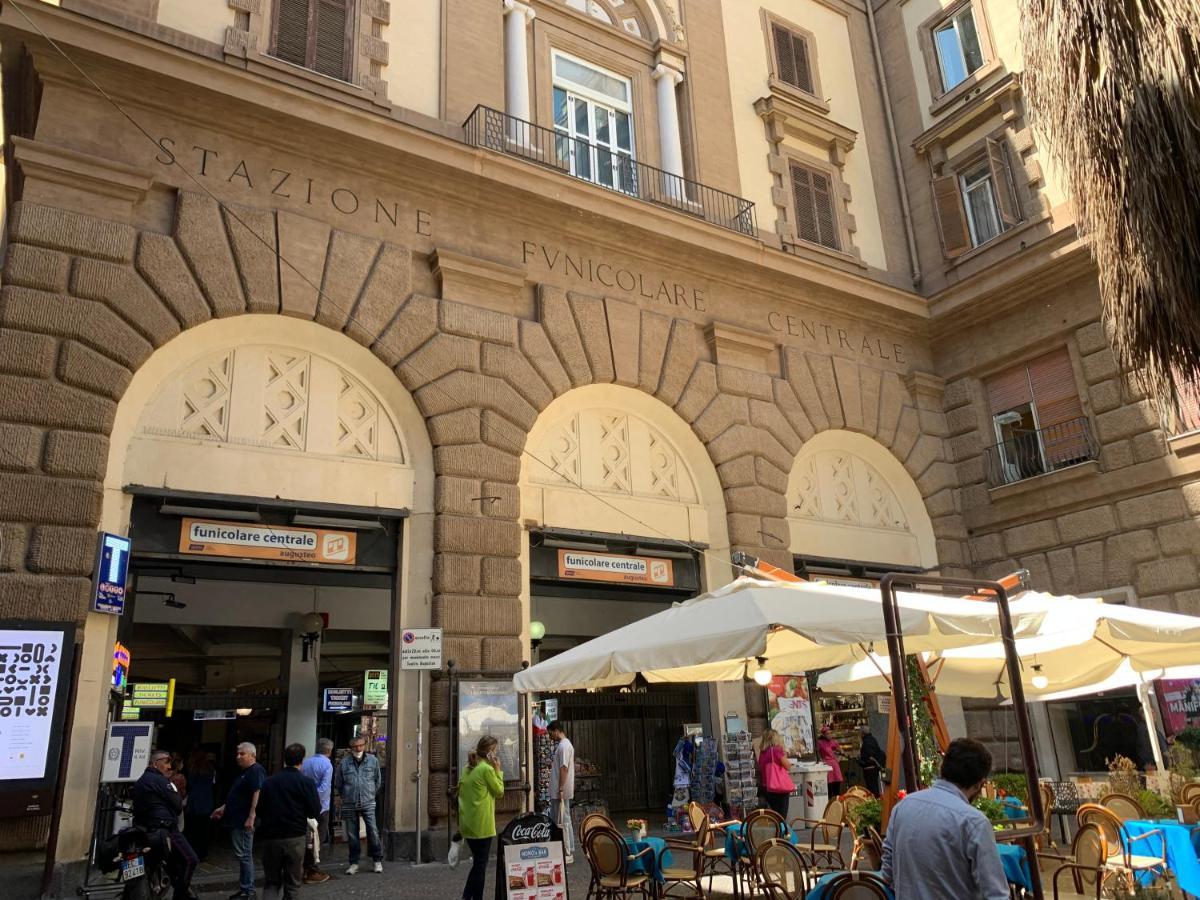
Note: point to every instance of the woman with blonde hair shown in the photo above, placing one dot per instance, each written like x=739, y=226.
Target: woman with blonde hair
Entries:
x=774, y=773
x=482, y=784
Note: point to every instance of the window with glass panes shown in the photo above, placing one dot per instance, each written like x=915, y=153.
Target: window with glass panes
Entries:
x=593, y=114
x=958, y=49
x=979, y=200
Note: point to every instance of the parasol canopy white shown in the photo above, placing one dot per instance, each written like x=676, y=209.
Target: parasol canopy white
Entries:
x=793, y=626
x=1081, y=643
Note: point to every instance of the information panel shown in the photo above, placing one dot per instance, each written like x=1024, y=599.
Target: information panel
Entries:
x=32, y=674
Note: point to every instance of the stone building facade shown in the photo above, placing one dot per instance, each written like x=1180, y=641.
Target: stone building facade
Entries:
x=728, y=388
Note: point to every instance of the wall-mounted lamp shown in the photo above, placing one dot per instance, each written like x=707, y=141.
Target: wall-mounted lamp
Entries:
x=537, y=631
x=311, y=626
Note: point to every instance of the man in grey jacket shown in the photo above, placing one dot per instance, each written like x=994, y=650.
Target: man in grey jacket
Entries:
x=357, y=781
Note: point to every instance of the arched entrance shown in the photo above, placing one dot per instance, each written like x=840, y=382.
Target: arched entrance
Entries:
x=265, y=468
x=619, y=499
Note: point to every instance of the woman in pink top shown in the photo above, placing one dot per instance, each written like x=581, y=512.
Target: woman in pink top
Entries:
x=774, y=773
x=827, y=749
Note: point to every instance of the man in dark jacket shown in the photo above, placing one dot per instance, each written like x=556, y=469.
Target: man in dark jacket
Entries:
x=287, y=801
x=357, y=780
x=156, y=806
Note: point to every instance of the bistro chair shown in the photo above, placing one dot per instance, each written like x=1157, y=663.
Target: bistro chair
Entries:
x=590, y=822
x=713, y=842
x=1066, y=803
x=609, y=856
x=1088, y=863
x=761, y=825
x=687, y=876
x=868, y=852
x=1121, y=845
x=856, y=886
x=1190, y=792
x=782, y=873
x=824, y=848
x=1124, y=806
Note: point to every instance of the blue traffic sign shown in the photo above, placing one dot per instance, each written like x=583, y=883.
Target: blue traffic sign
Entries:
x=112, y=573
x=339, y=700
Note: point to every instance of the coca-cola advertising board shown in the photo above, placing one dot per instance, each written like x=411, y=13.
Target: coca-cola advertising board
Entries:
x=530, y=863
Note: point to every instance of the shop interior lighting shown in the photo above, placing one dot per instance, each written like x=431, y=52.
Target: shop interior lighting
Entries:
x=243, y=711
x=762, y=675
x=207, y=512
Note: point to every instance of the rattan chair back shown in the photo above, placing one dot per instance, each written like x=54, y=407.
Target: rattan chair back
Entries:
x=1104, y=819
x=761, y=826
x=856, y=886
x=1190, y=792
x=1124, y=806
x=781, y=870
x=607, y=853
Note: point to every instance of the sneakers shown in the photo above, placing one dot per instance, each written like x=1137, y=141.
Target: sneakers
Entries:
x=352, y=869
x=315, y=877
x=378, y=866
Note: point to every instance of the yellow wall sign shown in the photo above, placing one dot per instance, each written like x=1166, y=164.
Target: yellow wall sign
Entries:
x=205, y=537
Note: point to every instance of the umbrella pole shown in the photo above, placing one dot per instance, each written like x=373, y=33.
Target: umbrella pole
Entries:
x=1144, y=694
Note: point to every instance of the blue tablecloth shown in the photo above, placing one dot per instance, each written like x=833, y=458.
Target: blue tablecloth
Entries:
x=1181, y=851
x=818, y=889
x=1016, y=865
x=1014, y=808
x=735, y=846
x=650, y=864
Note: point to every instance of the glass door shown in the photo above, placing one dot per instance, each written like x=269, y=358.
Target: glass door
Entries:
x=594, y=125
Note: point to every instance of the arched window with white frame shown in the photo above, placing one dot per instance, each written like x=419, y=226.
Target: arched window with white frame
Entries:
x=593, y=115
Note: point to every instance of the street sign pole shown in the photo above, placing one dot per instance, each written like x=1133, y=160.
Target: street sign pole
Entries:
x=420, y=756
x=420, y=649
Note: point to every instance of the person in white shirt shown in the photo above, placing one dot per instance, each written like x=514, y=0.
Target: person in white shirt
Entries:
x=562, y=785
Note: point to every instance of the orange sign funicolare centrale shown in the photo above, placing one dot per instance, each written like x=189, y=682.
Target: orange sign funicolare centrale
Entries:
x=206, y=537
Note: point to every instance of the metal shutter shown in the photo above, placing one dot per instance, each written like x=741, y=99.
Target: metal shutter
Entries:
x=1008, y=390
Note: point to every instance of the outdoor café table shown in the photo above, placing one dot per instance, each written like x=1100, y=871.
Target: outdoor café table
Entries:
x=817, y=891
x=1181, y=850
x=652, y=863
x=1016, y=865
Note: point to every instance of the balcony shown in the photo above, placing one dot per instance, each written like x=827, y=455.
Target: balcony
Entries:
x=1032, y=453
x=608, y=168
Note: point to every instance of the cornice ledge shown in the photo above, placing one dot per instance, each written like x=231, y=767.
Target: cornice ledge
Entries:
x=83, y=172
x=786, y=114
x=1002, y=94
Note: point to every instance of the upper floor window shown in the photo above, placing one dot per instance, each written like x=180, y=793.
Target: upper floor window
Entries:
x=315, y=34
x=593, y=114
x=793, y=63
x=978, y=201
x=1037, y=420
x=1185, y=413
x=956, y=42
x=816, y=220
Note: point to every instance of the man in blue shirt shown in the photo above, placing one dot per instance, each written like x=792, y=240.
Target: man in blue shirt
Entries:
x=318, y=769
x=238, y=813
x=940, y=847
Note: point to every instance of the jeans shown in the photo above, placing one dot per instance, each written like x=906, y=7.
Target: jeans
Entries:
x=480, y=849
x=183, y=864
x=283, y=866
x=560, y=812
x=310, y=865
x=243, y=849
x=350, y=819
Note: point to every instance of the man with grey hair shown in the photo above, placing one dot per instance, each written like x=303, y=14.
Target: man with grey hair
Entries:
x=238, y=813
x=319, y=769
x=156, y=806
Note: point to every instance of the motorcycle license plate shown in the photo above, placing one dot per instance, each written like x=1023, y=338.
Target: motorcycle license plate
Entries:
x=132, y=868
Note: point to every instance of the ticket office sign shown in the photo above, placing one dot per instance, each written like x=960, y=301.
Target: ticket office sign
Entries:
x=207, y=537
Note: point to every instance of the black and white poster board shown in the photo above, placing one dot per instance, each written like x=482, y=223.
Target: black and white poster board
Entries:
x=36, y=661
x=529, y=863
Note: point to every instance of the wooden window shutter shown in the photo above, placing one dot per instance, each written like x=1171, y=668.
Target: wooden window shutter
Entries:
x=952, y=218
x=791, y=58
x=1008, y=390
x=1006, y=198
x=292, y=26
x=332, y=42
x=1187, y=402
x=1059, y=409
x=816, y=221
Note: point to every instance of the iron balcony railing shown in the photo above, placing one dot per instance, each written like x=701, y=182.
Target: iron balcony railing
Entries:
x=608, y=167
x=1031, y=453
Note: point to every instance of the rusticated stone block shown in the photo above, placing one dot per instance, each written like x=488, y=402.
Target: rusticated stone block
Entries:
x=1148, y=446
x=304, y=243
x=61, y=551
x=1126, y=421
x=1106, y=395
x=957, y=394
x=699, y=393
x=799, y=376
x=37, y=402
x=470, y=613
x=466, y=460
x=1092, y=338
x=721, y=413
x=893, y=400
x=738, y=472
x=740, y=440
x=624, y=334
x=1086, y=524
x=787, y=404
x=770, y=476
x=57, y=598
x=1191, y=497
x=504, y=500
x=87, y=369
x=463, y=388
x=1122, y=554
x=556, y=317
x=53, y=501
x=512, y=801
x=1099, y=366
x=346, y=269
x=1165, y=575
x=439, y=747
x=755, y=499
x=465, y=652
x=536, y=348
x=36, y=267
x=1187, y=603
x=988, y=547
x=593, y=330
x=160, y=263
x=950, y=527
x=13, y=537
x=684, y=349
x=925, y=452
x=1090, y=570
x=745, y=529
x=744, y=383
x=1034, y=536
x=1062, y=570
x=458, y=427
x=89, y=322
x=1039, y=572
x=489, y=537
x=415, y=324
x=1180, y=538
x=456, y=573
x=766, y=415
x=849, y=392
x=963, y=446
x=870, y=382
x=825, y=380
x=1117, y=456
x=908, y=430
x=1151, y=509
x=502, y=654
x=652, y=349
x=964, y=420
x=502, y=577
x=44, y=226
x=457, y=496
x=20, y=447
x=478, y=323
x=25, y=353
x=513, y=366
x=76, y=454
x=439, y=795
x=122, y=290
x=974, y=496
x=500, y=433
x=252, y=236
x=951, y=553
x=200, y=233
x=439, y=701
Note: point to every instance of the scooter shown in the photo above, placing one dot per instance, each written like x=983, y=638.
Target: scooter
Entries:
x=141, y=857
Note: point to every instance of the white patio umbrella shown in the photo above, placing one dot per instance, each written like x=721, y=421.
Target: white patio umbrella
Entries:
x=1081, y=643
x=793, y=627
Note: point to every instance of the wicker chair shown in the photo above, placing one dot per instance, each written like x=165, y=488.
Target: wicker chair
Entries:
x=824, y=848
x=589, y=822
x=688, y=863
x=714, y=844
x=856, y=886
x=1124, y=806
x=1088, y=864
x=761, y=825
x=782, y=874
x=1190, y=792
x=1121, y=845
x=609, y=857
x=868, y=852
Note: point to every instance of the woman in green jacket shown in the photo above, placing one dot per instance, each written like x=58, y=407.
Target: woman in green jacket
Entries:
x=477, y=793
